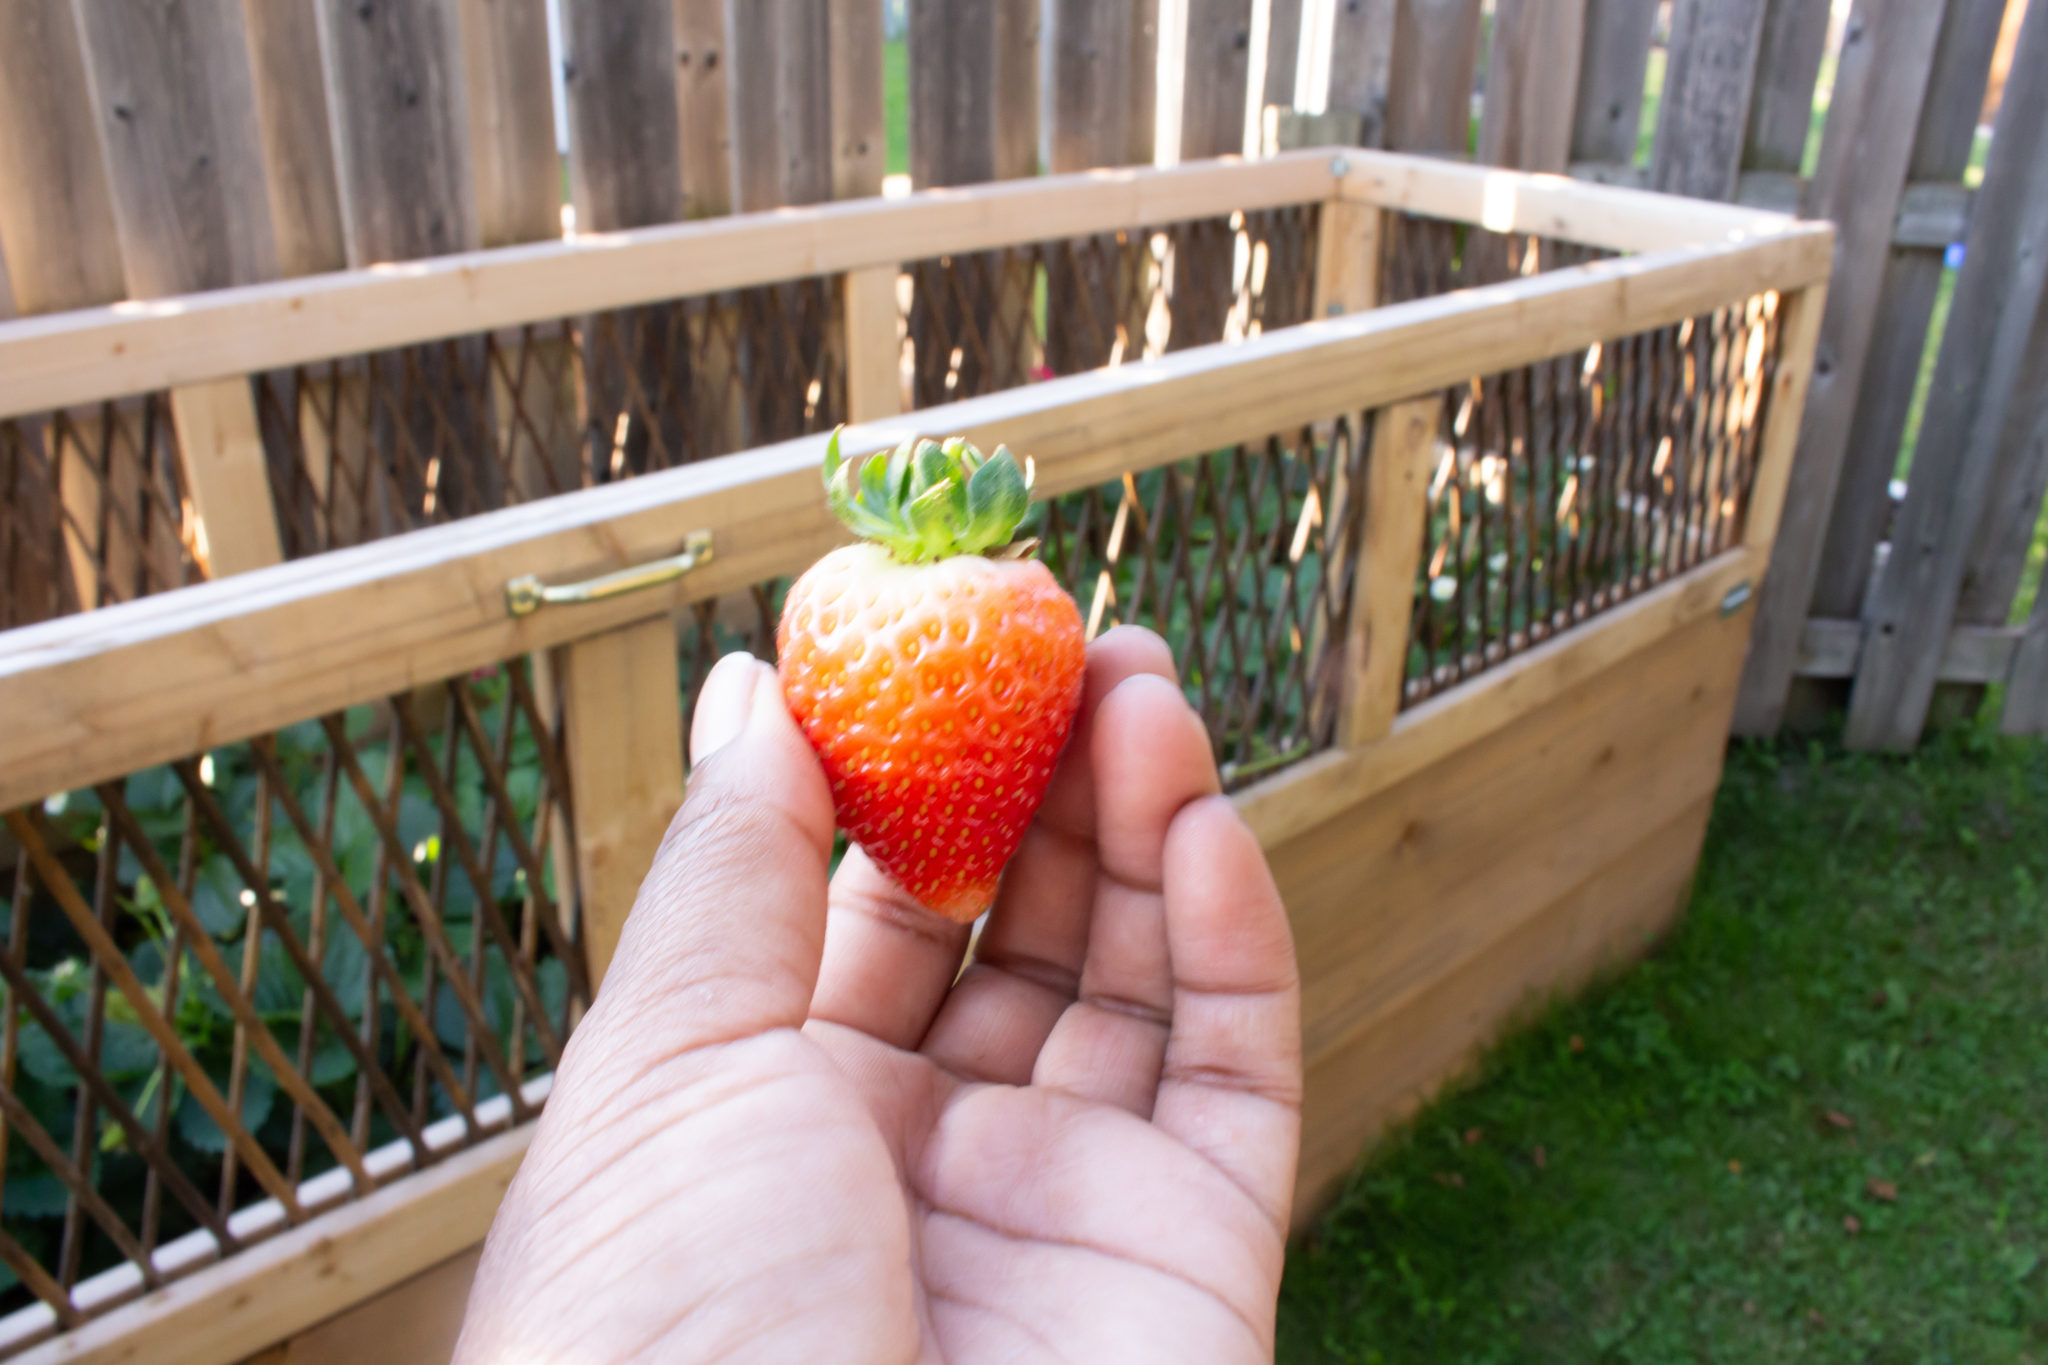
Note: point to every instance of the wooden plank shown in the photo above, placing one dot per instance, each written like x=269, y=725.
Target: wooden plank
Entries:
x=703, y=109
x=291, y=119
x=1708, y=78
x=1801, y=317
x=1218, y=75
x=860, y=145
x=395, y=104
x=1795, y=38
x=1880, y=84
x=1979, y=389
x=1392, y=1070
x=1613, y=216
x=1279, y=22
x=781, y=111
x=1404, y=449
x=625, y=166
x=415, y=1322
x=1532, y=75
x=2026, y=693
x=1608, y=112
x=1429, y=86
x=1014, y=87
x=511, y=127
x=298, y=1278
x=1972, y=654
x=973, y=91
x=1347, y=259
x=1296, y=801
x=874, y=346
x=1985, y=356
x=1361, y=64
x=113, y=691
x=56, y=361
x=1098, y=115
x=2004, y=542
x=1912, y=281
x=56, y=213
x=227, y=477
x=622, y=736
x=176, y=107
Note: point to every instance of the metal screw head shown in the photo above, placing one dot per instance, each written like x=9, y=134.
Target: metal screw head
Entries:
x=1340, y=166
x=1736, y=597
x=1334, y=309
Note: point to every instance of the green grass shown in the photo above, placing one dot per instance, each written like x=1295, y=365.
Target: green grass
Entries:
x=896, y=103
x=1849, y=1024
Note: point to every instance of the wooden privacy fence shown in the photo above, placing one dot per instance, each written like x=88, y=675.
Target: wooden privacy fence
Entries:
x=316, y=866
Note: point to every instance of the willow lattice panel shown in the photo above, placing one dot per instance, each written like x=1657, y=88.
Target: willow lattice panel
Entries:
x=986, y=321
x=287, y=969
x=1565, y=487
x=93, y=509
x=368, y=446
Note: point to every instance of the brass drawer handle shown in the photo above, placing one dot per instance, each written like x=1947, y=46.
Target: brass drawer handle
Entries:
x=526, y=595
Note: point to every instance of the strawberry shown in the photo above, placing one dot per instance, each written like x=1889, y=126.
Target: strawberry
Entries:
x=936, y=681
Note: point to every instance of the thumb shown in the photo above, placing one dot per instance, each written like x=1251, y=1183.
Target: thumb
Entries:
x=725, y=937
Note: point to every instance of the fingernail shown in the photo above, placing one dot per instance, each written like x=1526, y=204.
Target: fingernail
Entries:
x=724, y=705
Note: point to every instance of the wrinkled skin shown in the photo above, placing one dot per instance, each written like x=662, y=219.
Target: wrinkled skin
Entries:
x=786, y=1132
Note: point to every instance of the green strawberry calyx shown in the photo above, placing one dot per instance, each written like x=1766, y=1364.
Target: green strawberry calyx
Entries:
x=928, y=500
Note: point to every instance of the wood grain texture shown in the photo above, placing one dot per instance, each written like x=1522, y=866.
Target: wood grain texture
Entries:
x=1912, y=281
x=1404, y=451
x=1098, y=114
x=1795, y=38
x=111, y=691
x=47, y=362
x=1347, y=259
x=703, y=107
x=1708, y=79
x=1985, y=358
x=1361, y=63
x=781, y=113
x=1608, y=112
x=973, y=91
x=511, y=127
x=415, y=1322
x=226, y=475
x=1218, y=74
x=396, y=106
x=1879, y=86
x=860, y=145
x=1463, y=892
x=2026, y=692
x=175, y=103
x=1532, y=75
x=291, y=120
x=625, y=167
x=56, y=213
x=1281, y=20
x=1429, y=88
x=2004, y=541
x=623, y=741
x=874, y=350
x=1801, y=317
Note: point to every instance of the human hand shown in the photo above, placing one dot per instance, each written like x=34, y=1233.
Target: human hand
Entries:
x=787, y=1132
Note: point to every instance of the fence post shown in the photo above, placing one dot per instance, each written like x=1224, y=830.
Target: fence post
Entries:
x=621, y=697
x=1532, y=75
x=1347, y=258
x=1383, y=593
x=1801, y=317
x=1912, y=280
x=1978, y=382
x=1869, y=140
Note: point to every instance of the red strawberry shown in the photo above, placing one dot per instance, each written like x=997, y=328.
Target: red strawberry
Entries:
x=937, y=684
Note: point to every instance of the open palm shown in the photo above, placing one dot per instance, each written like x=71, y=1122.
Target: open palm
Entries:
x=792, y=1133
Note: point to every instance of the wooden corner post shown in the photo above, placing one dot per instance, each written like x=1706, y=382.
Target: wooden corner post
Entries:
x=225, y=473
x=1383, y=595
x=622, y=730
x=874, y=349
x=1347, y=258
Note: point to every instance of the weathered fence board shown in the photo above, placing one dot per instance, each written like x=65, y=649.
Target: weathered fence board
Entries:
x=2026, y=696
x=1795, y=38
x=1218, y=67
x=1912, y=280
x=1429, y=88
x=1281, y=23
x=1532, y=75
x=625, y=159
x=1361, y=64
x=1707, y=83
x=511, y=129
x=298, y=150
x=703, y=107
x=1864, y=151
x=1608, y=110
x=780, y=90
x=1977, y=390
x=860, y=150
x=1099, y=116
